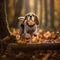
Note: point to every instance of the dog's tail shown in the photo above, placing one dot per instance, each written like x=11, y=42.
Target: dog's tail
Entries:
x=21, y=25
x=21, y=18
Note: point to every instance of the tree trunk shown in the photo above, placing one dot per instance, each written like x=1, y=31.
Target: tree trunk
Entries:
x=40, y=13
x=35, y=6
x=3, y=25
x=52, y=13
x=18, y=8
x=46, y=19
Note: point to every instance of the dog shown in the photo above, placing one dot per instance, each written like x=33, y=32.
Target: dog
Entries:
x=29, y=25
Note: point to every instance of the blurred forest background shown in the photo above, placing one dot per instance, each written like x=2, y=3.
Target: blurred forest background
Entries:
x=48, y=12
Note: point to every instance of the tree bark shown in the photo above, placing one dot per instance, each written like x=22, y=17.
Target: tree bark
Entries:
x=46, y=18
x=52, y=13
x=35, y=6
x=3, y=25
x=40, y=13
x=18, y=8
x=43, y=46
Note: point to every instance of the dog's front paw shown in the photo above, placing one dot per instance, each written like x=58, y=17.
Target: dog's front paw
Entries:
x=35, y=34
x=27, y=37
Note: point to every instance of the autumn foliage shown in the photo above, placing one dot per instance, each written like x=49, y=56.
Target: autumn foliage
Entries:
x=43, y=36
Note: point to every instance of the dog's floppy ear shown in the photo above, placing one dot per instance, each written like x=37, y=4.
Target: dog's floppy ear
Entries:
x=36, y=20
x=25, y=17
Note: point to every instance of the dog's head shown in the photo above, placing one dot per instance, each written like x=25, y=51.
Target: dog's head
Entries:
x=31, y=19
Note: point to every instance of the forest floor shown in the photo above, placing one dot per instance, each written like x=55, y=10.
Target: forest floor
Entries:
x=16, y=47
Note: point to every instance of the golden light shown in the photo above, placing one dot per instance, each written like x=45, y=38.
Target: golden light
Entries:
x=31, y=5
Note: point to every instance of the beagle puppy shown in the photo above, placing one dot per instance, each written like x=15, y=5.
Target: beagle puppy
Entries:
x=30, y=25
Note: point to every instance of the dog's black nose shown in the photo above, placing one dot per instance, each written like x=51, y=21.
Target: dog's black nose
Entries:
x=30, y=16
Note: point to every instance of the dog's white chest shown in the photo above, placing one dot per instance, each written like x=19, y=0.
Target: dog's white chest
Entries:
x=29, y=28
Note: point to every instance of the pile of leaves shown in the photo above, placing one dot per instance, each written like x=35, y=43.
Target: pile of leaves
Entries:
x=43, y=36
